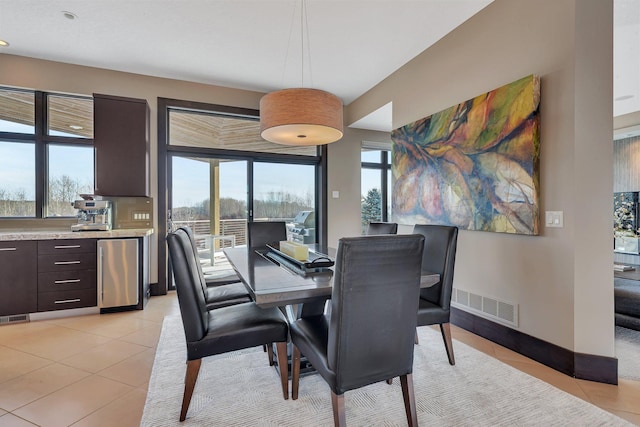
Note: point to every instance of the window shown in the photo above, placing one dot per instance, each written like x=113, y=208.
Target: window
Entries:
x=17, y=111
x=237, y=170
x=375, y=184
x=70, y=173
x=286, y=192
x=70, y=116
x=46, y=152
x=226, y=132
x=220, y=174
x=17, y=179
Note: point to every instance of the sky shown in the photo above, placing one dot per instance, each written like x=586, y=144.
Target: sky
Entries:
x=17, y=162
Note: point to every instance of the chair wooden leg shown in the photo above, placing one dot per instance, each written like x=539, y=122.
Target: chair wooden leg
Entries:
x=281, y=348
x=416, y=340
x=409, y=399
x=337, y=402
x=445, y=328
x=190, y=378
x=270, y=353
x=295, y=372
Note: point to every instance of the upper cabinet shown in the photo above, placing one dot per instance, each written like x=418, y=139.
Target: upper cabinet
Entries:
x=121, y=141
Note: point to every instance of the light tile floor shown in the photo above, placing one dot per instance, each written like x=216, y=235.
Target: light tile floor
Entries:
x=94, y=370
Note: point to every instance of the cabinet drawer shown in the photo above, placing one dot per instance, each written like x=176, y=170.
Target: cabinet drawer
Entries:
x=70, y=246
x=12, y=246
x=66, y=262
x=66, y=280
x=62, y=300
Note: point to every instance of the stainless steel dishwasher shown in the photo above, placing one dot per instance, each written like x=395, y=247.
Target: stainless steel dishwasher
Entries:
x=118, y=273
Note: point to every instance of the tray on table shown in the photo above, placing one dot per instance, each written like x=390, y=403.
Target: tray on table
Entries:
x=315, y=263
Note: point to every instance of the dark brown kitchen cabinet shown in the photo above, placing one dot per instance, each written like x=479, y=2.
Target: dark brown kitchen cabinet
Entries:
x=18, y=277
x=121, y=142
x=66, y=274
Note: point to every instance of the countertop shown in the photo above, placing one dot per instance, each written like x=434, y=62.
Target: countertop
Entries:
x=32, y=234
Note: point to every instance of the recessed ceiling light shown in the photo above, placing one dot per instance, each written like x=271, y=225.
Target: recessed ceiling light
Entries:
x=4, y=43
x=623, y=97
x=69, y=15
x=75, y=127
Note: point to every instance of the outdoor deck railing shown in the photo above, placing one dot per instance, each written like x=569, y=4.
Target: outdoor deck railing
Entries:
x=228, y=227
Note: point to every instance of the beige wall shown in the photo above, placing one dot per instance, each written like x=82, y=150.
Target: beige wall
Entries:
x=562, y=280
x=344, y=176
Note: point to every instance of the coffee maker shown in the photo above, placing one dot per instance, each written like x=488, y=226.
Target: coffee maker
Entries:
x=93, y=215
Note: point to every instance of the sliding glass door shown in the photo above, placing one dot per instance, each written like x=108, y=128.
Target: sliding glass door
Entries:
x=218, y=174
x=209, y=195
x=286, y=192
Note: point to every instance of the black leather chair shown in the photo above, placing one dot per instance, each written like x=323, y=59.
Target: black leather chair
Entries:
x=218, y=295
x=222, y=330
x=260, y=233
x=439, y=257
x=369, y=335
x=228, y=279
x=375, y=228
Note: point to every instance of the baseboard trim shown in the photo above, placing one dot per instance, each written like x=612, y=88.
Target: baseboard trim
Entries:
x=583, y=366
x=155, y=289
x=596, y=368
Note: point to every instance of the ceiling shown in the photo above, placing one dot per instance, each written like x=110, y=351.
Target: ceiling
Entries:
x=349, y=45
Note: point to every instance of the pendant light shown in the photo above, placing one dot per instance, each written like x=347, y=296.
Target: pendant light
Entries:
x=301, y=116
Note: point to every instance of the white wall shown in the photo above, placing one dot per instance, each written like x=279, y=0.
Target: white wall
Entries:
x=562, y=280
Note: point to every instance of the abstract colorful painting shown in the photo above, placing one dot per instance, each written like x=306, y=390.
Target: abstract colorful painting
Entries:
x=474, y=165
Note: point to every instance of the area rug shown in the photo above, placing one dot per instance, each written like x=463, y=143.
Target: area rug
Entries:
x=628, y=353
x=241, y=389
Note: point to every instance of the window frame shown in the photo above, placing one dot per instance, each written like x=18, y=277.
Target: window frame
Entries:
x=41, y=140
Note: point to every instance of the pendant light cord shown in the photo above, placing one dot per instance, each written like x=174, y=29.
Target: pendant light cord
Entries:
x=305, y=30
x=302, y=18
x=289, y=43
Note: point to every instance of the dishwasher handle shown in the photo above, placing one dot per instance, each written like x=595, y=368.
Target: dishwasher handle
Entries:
x=100, y=276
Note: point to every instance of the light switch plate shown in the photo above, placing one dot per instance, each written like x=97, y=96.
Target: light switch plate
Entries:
x=335, y=194
x=554, y=219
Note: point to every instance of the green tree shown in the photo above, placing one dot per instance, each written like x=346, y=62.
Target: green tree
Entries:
x=372, y=207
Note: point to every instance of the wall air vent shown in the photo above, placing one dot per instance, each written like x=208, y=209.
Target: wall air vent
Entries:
x=18, y=318
x=493, y=309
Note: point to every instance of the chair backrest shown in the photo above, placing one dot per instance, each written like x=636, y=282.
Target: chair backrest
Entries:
x=187, y=230
x=193, y=307
x=374, y=307
x=375, y=228
x=440, y=242
x=260, y=233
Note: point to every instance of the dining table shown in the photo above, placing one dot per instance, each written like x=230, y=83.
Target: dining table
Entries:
x=272, y=283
